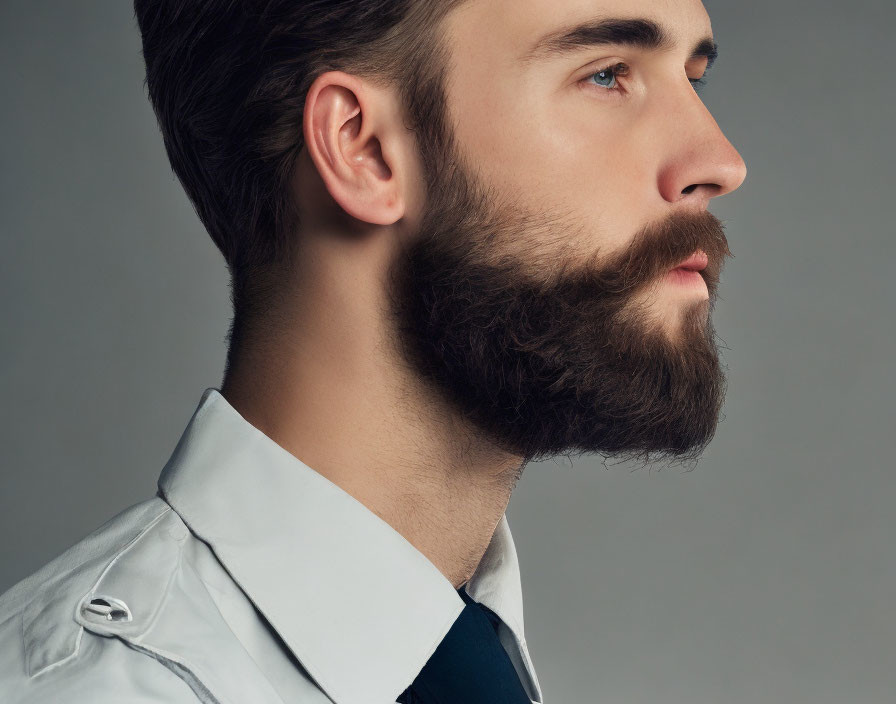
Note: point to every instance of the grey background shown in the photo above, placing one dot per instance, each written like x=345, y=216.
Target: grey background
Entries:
x=765, y=575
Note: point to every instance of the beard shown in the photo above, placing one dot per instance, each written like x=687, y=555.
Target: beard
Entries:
x=546, y=352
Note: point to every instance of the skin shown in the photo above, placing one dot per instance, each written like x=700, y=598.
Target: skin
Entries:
x=575, y=182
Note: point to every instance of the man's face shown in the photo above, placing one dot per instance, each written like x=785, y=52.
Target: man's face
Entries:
x=537, y=296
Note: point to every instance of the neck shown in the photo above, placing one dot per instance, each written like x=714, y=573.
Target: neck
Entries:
x=330, y=394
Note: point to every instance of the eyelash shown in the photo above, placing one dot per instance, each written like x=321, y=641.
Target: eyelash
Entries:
x=621, y=69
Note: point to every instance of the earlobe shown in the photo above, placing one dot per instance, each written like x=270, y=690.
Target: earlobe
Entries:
x=344, y=141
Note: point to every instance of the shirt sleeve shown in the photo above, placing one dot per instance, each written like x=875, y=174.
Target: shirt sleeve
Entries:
x=103, y=671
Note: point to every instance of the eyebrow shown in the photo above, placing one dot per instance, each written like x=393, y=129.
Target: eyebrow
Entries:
x=636, y=32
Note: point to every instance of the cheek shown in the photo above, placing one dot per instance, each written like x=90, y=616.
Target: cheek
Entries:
x=600, y=168
x=571, y=154
x=598, y=142
x=604, y=159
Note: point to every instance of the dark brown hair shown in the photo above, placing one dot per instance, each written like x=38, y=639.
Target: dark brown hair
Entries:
x=227, y=80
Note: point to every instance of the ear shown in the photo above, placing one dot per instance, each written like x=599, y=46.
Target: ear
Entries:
x=349, y=131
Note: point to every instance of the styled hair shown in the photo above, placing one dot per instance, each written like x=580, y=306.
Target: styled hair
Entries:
x=227, y=80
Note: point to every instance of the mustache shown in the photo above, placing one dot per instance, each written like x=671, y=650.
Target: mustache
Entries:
x=464, y=206
x=659, y=247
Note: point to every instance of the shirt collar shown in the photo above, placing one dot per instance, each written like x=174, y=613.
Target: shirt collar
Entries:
x=360, y=607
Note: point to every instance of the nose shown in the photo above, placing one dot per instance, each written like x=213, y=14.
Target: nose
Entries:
x=700, y=163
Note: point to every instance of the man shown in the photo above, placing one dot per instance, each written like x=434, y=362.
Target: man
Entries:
x=463, y=235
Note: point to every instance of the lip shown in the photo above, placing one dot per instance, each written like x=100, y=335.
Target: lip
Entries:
x=696, y=262
x=688, y=279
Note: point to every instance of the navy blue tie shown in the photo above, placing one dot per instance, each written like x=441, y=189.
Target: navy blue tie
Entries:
x=470, y=666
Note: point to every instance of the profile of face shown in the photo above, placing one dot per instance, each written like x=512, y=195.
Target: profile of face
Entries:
x=567, y=183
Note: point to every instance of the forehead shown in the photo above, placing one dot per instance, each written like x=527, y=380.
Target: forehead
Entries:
x=503, y=31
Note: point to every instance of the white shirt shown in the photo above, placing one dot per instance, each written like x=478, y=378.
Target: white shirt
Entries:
x=249, y=579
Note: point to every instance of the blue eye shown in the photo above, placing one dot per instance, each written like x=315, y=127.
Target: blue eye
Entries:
x=606, y=77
